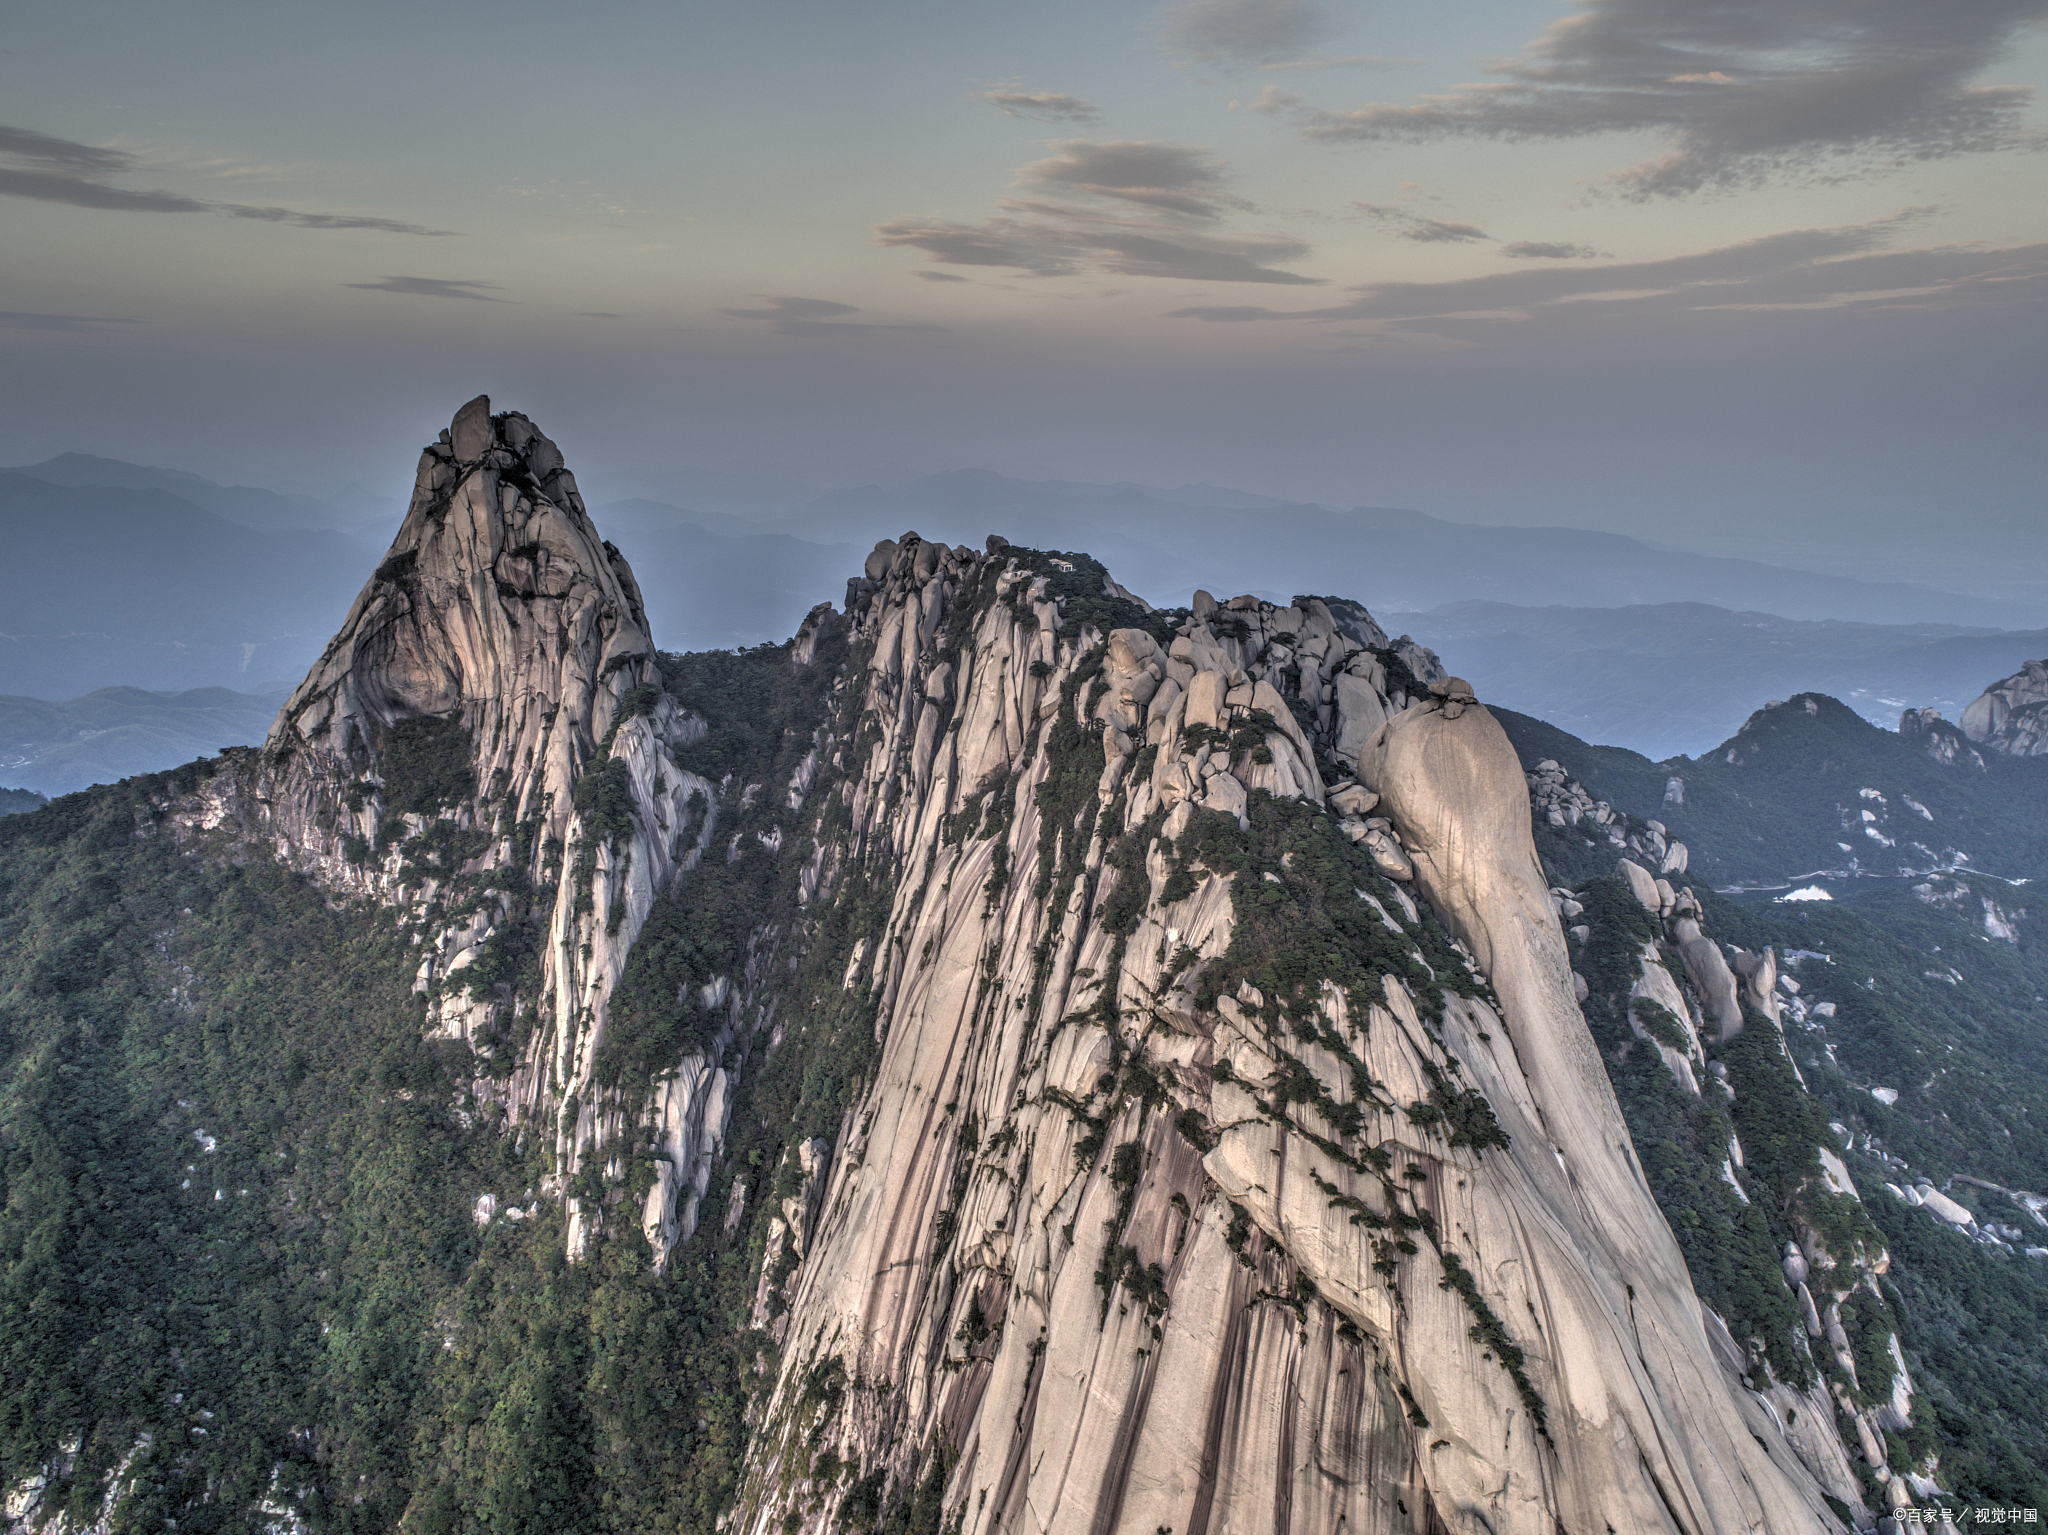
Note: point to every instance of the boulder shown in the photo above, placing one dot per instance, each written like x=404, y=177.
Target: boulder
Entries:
x=1353, y=799
x=1933, y=1200
x=1808, y=1312
x=1360, y=712
x=1642, y=884
x=1388, y=853
x=470, y=437
x=1133, y=650
x=1226, y=794
x=1708, y=967
x=1205, y=700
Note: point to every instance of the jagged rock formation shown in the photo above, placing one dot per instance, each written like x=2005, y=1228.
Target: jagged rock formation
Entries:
x=486, y=744
x=2012, y=716
x=1938, y=738
x=1158, y=1218
x=1237, y=1155
x=1563, y=802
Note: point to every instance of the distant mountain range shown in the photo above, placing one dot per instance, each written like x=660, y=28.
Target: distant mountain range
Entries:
x=1678, y=677
x=352, y=510
x=127, y=577
x=1163, y=547
x=115, y=733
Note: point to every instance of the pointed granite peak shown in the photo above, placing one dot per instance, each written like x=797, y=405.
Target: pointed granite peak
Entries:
x=497, y=658
x=497, y=594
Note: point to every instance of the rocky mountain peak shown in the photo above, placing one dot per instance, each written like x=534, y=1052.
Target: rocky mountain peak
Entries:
x=486, y=743
x=496, y=588
x=1218, y=933
x=2012, y=716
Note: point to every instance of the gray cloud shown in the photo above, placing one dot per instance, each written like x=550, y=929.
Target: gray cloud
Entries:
x=1741, y=91
x=54, y=170
x=1242, y=31
x=47, y=153
x=939, y=276
x=1051, y=106
x=1345, y=61
x=432, y=287
x=812, y=317
x=786, y=308
x=1177, y=178
x=1803, y=268
x=16, y=319
x=1048, y=249
x=1548, y=251
x=1413, y=226
x=325, y=220
x=82, y=192
x=1131, y=208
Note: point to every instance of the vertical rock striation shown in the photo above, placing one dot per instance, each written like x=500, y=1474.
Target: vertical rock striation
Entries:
x=1212, y=1180
x=486, y=744
x=1236, y=1156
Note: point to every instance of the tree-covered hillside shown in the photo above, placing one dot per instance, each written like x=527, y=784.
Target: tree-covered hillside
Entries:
x=244, y=1268
x=1808, y=786
x=1917, y=1048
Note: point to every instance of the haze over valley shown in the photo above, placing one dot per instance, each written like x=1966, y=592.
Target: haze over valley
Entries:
x=128, y=577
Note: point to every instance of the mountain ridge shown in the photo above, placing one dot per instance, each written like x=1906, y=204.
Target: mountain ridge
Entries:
x=1008, y=1056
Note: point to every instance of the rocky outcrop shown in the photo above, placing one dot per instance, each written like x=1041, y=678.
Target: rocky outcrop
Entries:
x=1206, y=1173
x=2012, y=716
x=1562, y=801
x=1938, y=738
x=486, y=745
x=1687, y=998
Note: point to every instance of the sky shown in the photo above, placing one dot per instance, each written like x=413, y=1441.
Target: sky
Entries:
x=1760, y=275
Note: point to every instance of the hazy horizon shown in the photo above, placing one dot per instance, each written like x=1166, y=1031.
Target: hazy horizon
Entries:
x=1765, y=281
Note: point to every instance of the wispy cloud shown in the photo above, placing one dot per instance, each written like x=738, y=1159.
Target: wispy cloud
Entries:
x=1242, y=32
x=433, y=287
x=1548, y=251
x=1132, y=208
x=1740, y=91
x=814, y=317
x=1424, y=231
x=1838, y=267
x=16, y=319
x=1342, y=61
x=41, y=151
x=41, y=168
x=1176, y=178
x=1048, y=106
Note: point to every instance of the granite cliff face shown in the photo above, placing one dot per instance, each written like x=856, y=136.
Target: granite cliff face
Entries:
x=1237, y=1157
x=2012, y=716
x=1209, y=1182
x=485, y=744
